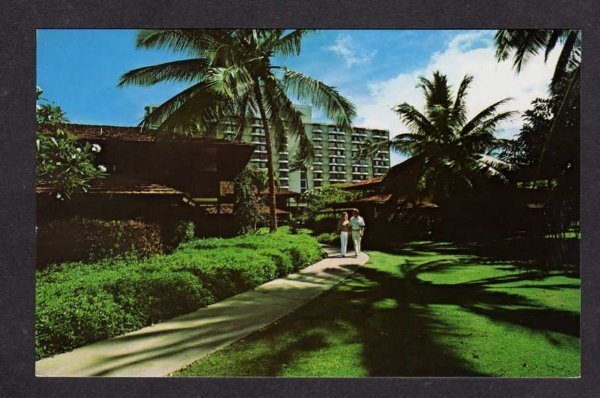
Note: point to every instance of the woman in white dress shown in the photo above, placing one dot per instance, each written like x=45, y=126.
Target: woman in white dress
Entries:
x=343, y=229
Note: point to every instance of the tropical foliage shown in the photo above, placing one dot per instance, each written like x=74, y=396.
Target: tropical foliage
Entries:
x=247, y=201
x=232, y=78
x=318, y=198
x=449, y=152
x=522, y=44
x=370, y=149
x=559, y=114
x=526, y=149
x=61, y=162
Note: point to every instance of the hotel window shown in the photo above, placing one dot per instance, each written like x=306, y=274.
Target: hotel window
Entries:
x=303, y=182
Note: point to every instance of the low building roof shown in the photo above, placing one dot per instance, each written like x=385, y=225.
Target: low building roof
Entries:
x=119, y=185
x=382, y=199
x=364, y=184
x=139, y=134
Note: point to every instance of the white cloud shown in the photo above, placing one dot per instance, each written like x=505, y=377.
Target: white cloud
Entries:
x=467, y=53
x=352, y=55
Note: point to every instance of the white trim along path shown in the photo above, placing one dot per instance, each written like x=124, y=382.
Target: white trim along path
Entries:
x=166, y=347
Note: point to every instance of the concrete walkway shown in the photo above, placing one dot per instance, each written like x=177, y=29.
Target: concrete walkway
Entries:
x=161, y=349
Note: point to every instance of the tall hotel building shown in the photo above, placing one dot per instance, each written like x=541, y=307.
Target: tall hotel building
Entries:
x=335, y=153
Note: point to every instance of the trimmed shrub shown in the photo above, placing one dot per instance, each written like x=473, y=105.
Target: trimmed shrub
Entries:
x=330, y=238
x=80, y=239
x=79, y=303
x=176, y=233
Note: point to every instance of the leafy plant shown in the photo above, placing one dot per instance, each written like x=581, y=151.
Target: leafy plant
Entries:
x=247, y=201
x=319, y=198
x=79, y=303
x=61, y=162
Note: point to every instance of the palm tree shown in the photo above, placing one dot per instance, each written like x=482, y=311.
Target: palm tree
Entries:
x=232, y=76
x=369, y=150
x=522, y=44
x=448, y=151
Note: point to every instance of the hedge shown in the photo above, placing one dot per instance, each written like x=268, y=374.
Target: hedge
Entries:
x=82, y=239
x=329, y=238
x=78, y=304
x=89, y=240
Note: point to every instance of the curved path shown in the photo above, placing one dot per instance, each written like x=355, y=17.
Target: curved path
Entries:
x=163, y=348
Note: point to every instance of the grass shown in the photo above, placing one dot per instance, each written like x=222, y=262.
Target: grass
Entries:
x=421, y=310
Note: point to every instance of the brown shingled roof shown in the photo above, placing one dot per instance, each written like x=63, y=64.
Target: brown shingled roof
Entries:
x=120, y=185
x=370, y=182
x=137, y=134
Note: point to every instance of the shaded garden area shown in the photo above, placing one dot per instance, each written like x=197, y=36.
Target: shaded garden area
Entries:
x=423, y=309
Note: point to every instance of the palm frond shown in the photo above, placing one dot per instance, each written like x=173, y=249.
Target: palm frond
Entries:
x=493, y=167
x=458, y=116
x=286, y=116
x=187, y=70
x=188, y=41
x=291, y=43
x=437, y=92
x=194, y=109
x=321, y=96
x=414, y=120
x=485, y=114
x=555, y=36
x=232, y=81
x=245, y=109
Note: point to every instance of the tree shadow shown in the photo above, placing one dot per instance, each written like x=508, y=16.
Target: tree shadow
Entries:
x=394, y=323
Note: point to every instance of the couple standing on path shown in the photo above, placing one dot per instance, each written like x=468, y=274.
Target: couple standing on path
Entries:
x=354, y=226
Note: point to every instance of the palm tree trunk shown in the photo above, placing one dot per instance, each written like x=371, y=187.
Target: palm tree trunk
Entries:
x=372, y=167
x=270, y=174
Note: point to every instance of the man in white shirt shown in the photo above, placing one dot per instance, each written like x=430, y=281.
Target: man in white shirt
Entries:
x=357, y=223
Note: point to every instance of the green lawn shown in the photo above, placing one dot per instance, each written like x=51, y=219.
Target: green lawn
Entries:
x=422, y=310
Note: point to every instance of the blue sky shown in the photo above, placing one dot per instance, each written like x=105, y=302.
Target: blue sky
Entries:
x=376, y=69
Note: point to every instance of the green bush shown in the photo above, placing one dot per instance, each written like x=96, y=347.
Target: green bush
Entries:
x=78, y=303
x=81, y=239
x=176, y=233
x=329, y=238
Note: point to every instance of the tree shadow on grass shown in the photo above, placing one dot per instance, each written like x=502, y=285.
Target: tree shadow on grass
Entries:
x=393, y=321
